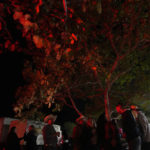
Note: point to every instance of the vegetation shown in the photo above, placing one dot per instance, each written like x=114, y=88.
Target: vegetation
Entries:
x=91, y=50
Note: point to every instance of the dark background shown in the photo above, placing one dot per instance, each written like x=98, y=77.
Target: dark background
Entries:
x=11, y=65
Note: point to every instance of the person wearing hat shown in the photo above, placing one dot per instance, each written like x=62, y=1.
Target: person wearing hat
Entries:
x=130, y=127
x=50, y=135
x=78, y=132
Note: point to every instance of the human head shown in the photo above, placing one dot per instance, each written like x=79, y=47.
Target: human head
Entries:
x=119, y=109
x=133, y=107
x=13, y=129
x=91, y=122
x=31, y=127
x=81, y=120
x=50, y=117
x=50, y=122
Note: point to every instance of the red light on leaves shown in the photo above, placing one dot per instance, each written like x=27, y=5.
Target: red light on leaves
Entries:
x=50, y=36
x=79, y=21
x=38, y=6
x=94, y=68
x=74, y=37
x=7, y=43
x=68, y=50
x=72, y=42
x=12, y=48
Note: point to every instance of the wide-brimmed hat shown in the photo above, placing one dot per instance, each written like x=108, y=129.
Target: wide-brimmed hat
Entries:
x=50, y=117
x=83, y=118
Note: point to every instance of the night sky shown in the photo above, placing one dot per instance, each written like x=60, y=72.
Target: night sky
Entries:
x=11, y=65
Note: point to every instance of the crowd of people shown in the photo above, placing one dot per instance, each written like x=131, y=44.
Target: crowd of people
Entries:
x=131, y=132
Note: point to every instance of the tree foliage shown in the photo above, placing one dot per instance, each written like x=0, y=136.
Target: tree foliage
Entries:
x=93, y=50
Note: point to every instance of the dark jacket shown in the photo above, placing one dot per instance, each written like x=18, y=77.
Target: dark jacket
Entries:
x=30, y=139
x=145, y=127
x=130, y=126
x=12, y=141
x=49, y=135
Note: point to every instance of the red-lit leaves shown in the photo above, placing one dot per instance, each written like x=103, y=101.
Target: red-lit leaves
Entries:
x=77, y=47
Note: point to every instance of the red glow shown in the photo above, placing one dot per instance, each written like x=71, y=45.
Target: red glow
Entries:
x=94, y=2
x=133, y=107
x=7, y=43
x=94, y=68
x=38, y=6
x=72, y=42
x=79, y=21
x=50, y=36
x=83, y=29
x=74, y=37
x=119, y=109
x=70, y=15
x=12, y=48
x=68, y=50
x=65, y=6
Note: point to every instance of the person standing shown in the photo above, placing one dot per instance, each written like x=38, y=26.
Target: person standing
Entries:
x=50, y=135
x=77, y=133
x=30, y=138
x=12, y=140
x=144, y=126
x=130, y=127
x=107, y=134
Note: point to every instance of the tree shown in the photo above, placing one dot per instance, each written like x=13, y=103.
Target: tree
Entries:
x=76, y=55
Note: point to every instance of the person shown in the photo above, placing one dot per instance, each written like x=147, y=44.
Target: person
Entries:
x=107, y=134
x=130, y=127
x=101, y=121
x=77, y=133
x=12, y=140
x=89, y=135
x=30, y=138
x=144, y=126
x=50, y=135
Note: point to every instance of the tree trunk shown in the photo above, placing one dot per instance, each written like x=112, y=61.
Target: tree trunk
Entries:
x=107, y=105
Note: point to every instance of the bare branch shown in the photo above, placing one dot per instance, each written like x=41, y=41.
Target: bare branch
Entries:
x=73, y=103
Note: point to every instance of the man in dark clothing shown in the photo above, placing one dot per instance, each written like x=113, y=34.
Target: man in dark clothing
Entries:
x=77, y=133
x=12, y=140
x=130, y=127
x=50, y=136
x=30, y=138
x=144, y=126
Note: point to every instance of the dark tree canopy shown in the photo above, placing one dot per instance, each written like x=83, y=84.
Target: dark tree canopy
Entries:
x=90, y=50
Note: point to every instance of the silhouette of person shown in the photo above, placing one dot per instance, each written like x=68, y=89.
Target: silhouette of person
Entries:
x=144, y=126
x=50, y=136
x=12, y=140
x=30, y=138
x=130, y=127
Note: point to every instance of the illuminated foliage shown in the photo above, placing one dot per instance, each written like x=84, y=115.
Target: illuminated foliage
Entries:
x=77, y=50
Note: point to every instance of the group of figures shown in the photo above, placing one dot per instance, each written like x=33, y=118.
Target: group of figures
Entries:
x=132, y=132
x=13, y=141
x=48, y=138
